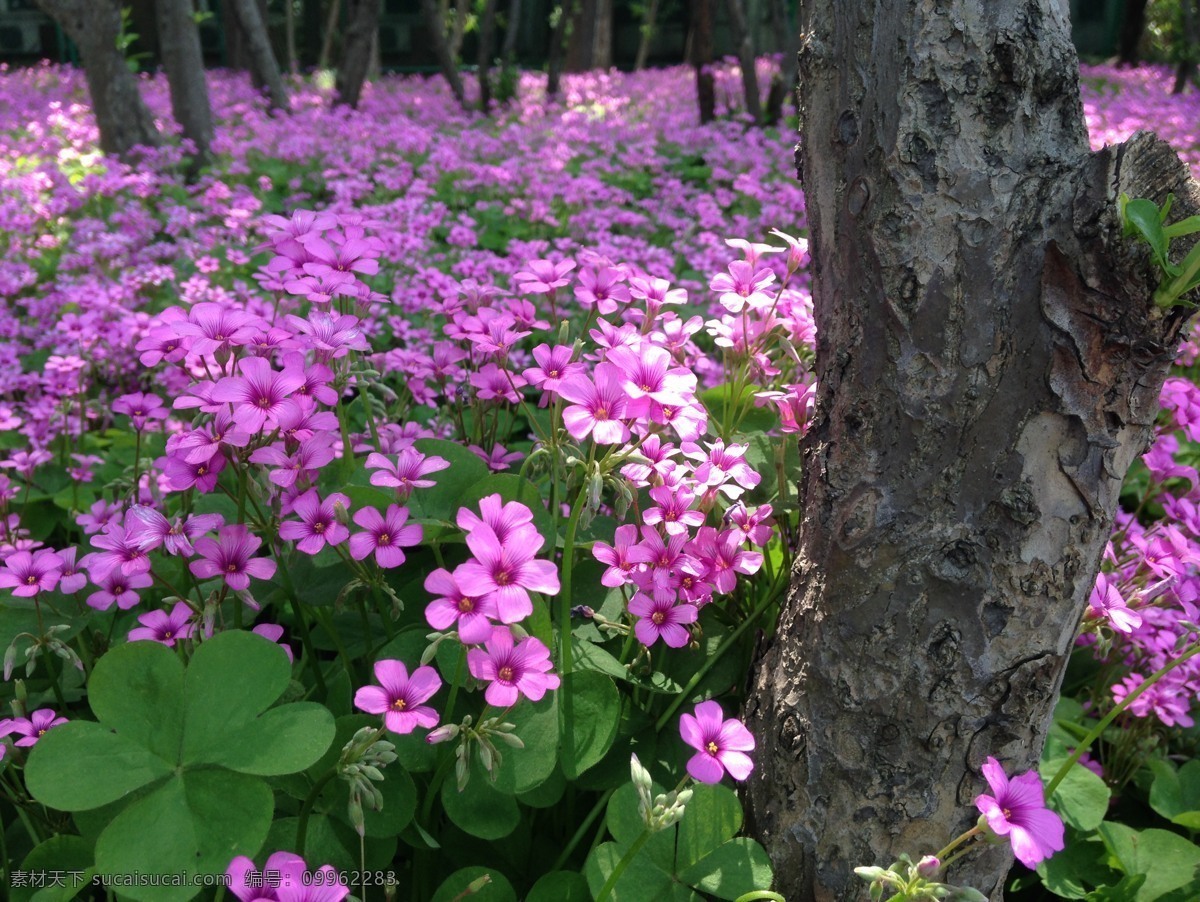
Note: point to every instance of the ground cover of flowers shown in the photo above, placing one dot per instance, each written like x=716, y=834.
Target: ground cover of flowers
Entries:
x=371, y=503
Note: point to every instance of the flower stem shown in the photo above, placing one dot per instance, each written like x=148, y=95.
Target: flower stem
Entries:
x=306, y=809
x=606, y=890
x=1112, y=715
x=583, y=828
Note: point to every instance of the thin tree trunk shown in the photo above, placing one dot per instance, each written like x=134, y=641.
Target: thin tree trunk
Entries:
x=258, y=47
x=989, y=362
x=783, y=85
x=1186, y=70
x=649, y=19
x=122, y=117
x=700, y=39
x=433, y=24
x=745, y=51
x=331, y=21
x=487, y=43
x=602, y=28
x=458, y=29
x=356, y=50
x=1133, y=25
x=511, y=32
x=289, y=36
x=554, y=57
x=581, y=36
x=183, y=60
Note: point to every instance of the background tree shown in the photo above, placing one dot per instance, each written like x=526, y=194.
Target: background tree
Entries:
x=700, y=55
x=257, y=43
x=1189, y=40
x=121, y=115
x=989, y=363
x=1133, y=26
x=446, y=60
x=360, y=37
x=744, y=42
x=487, y=47
x=783, y=85
x=183, y=61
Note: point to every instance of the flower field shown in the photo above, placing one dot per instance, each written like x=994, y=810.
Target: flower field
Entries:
x=375, y=506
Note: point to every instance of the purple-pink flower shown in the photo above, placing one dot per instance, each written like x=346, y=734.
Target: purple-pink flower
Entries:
x=399, y=697
x=1017, y=809
x=231, y=557
x=159, y=626
x=385, y=535
x=512, y=668
x=721, y=744
x=318, y=524
x=28, y=574
x=32, y=728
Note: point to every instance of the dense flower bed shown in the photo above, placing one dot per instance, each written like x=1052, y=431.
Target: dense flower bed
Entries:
x=487, y=429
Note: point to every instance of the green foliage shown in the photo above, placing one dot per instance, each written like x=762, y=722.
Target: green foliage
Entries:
x=1146, y=220
x=179, y=756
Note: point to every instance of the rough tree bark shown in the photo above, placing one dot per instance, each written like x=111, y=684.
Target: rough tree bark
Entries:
x=258, y=48
x=356, y=50
x=437, y=35
x=744, y=43
x=989, y=363
x=121, y=114
x=700, y=55
x=183, y=60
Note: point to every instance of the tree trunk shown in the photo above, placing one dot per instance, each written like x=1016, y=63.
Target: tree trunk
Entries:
x=649, y=18
x=602, y=29
x=289, y=36
x=487, y=44
x=700, y=45
x=1185, y=71
x=580, y=39
x=745, y=52
x=258, y=49
x=459, y=28
x=356, y=50
x=433, y=24
x=554, y=57
x=335, y=9
x=183, y=60
x=511, y=31
x=783, y=85
x=121, y=115
x=1133, y=25
x=989, y=362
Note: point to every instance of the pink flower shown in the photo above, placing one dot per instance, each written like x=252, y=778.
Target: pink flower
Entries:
x=1017, y=809
x=743, y=286
x=284, y=878
x=507, y=571
x=257, y=395
x=471, y=617
x=159, y=626
x=31, y=729
x=318, y=524
x=596, y=408
x=1107, y=602
x=616, y=556
x=118, y=588
x=661, y=618
x=231, y=557
x=140, y=408
x=385, y=535
x=513, y=669
x=407, y=473
x=399, y=697
x=28, y=574
x=722, y=744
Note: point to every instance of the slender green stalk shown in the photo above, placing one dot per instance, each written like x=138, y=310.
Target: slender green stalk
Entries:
x=764, y=894
x=564, y=595
x=306, y=808
x=583, y=828
x=606, y=890
x=684, y=694
x=1112, y=715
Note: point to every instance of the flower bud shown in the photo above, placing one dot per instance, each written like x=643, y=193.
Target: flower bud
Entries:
x=928, y=866
x=442, y=733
